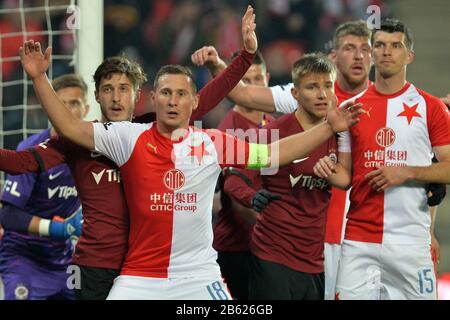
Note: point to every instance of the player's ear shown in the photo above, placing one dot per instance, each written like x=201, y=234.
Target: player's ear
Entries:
x=96, y=96
x=295, y=93
x=333, y=56
x=267, y=78
x=138, y=95
x=196, y=99
x=411, y=56
x=86, y=110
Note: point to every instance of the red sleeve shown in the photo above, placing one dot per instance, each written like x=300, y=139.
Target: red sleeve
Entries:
x=238, y=189
x=231, y=152
x=51, y=153
x=219, y=87
x=18, y=162
x=438, y=121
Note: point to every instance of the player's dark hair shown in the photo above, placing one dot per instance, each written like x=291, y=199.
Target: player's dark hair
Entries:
x=70, y=81
x=175, y=69
x=120, y=65
x=258, y=59
x=317, y=63
x=393, y=25
x=356, y=28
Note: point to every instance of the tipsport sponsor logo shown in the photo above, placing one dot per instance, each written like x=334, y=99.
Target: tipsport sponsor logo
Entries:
x=62, y=192
x=112, y=175
x=309, y=182
x=169, y=202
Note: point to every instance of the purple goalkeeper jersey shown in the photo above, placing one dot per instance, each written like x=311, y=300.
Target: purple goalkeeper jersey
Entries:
x=47, y=195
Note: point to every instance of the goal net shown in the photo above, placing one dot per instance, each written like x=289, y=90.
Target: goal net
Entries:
x=56, y=23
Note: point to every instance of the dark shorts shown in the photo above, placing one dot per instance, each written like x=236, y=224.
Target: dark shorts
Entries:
x=269, y=280
x=22, y=278
x=95, y=283
x=235, y=267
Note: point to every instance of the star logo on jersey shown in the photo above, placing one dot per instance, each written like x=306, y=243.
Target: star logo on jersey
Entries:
x=409, y=112
x=199, y=152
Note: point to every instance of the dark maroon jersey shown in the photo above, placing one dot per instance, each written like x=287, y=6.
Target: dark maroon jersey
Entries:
x=104, y=238
x=231, y=231
x=291, y=231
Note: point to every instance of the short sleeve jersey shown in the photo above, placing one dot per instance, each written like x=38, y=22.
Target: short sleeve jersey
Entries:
x=169, y=188
x=396, y=130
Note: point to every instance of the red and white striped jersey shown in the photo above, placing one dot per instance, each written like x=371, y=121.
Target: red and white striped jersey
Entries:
x=169, y=188
x=396, y=130
x=339, y=203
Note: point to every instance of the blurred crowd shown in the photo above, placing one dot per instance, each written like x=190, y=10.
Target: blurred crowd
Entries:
x=158, y=32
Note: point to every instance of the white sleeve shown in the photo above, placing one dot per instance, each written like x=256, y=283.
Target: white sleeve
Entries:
x=344, y=142
x=283, y=99
x=116, y=140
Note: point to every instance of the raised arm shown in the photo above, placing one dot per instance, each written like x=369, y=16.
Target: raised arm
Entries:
x=302, y=144
x=255, y=97
x=35, y=64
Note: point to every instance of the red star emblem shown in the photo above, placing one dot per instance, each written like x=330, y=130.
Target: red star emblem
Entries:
x=409, y=112
x=199, y=151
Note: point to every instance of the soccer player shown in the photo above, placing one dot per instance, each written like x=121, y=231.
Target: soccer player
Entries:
x=288, y=237
x=45, y=204
x=352, y=55
x=234, y=224
x=104, y=240
x=169, y=171
x=387, y=158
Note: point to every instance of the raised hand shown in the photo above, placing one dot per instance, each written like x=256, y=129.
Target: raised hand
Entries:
x=344, y=117
x=207, y=56
x=33, y=61
x=248, y=31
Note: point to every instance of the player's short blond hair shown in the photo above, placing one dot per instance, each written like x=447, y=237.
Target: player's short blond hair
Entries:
x=316, y=63
x=356, y=28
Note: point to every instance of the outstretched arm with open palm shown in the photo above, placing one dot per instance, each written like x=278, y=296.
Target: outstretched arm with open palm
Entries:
x=35, y=63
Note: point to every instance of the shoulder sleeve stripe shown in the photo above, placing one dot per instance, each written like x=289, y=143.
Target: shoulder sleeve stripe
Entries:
x=258, y=156
x=38, y=159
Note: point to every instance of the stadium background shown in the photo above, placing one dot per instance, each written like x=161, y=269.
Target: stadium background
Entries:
x=158, y=32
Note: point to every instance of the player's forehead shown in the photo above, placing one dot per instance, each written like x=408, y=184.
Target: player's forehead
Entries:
x=255, y=70
x=389, y=37
x=316, y=78
x=350, y=39
x=174, y=82
x=115, y=79
x=70, y=93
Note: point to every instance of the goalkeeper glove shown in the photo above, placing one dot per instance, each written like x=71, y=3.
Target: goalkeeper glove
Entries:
x=438, y=192
x=62, y=229
x=262, y=198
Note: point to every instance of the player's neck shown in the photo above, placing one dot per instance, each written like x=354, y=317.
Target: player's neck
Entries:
x=306, y=119
x=391, y=84
x=250, y=114
x=172, y=133
x=352, y=88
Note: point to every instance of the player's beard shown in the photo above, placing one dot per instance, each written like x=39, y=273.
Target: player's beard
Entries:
x=355, y=81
